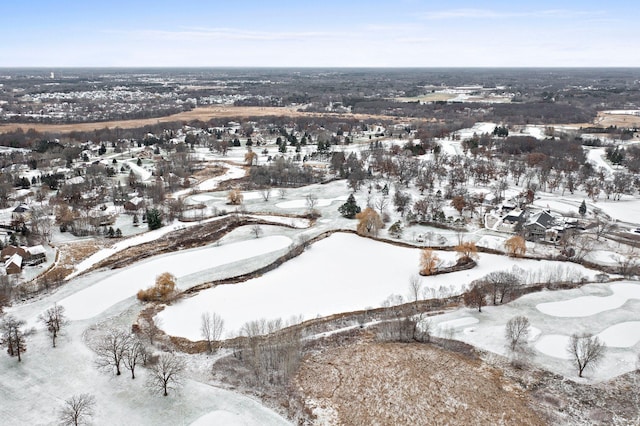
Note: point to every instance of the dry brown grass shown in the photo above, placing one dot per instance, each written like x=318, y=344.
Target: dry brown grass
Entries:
x=618, y=120
x=200, y=113
x=71, y=254
x=409, y=384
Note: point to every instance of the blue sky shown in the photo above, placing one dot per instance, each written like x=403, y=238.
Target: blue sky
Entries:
x=327, y=33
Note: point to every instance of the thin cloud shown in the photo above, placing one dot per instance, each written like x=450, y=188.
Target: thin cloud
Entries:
x=199, y=34
x=493, y=14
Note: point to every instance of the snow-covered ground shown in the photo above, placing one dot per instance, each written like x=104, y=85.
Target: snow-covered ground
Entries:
x=301, y=204
x=142, y=173
x=591, y=305
x=232, y=172
x=609, y=311
x=33, y=391
x=596, y=157
x=341, y=273
x=93, y=300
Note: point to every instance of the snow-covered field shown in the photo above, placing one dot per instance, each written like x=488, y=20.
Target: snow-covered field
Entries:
x=93, y=300
x=591, y=305
x=341, y=273
x=609, y=311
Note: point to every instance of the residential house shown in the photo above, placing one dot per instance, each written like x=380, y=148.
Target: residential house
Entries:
x=537, y=225
x=10, y=250
x=36, y=255
x=13, y=265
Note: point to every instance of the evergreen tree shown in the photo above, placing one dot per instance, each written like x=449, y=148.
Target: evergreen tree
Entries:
x=154, y=219
x=349, y=209
x=582, y=209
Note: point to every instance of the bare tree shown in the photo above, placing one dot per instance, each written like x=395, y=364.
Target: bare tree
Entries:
x=111, y=349
x=501, y=283
x=134, y=354
x=266, y=193
x=54, y=319
x=77, y=410
x=256, y=230
x=475, y=297
x=211, y=327
x=517, y=332
x=12, y=336
x=273, y=359
x=429, y=262
x=312, y=202
x=586, y=351
x=166, y=374
x=601, y=227
x=415, y=288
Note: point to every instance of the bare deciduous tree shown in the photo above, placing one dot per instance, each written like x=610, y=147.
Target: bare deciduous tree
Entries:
x=77, y=410
x=111, y=349
x=517, y=332
x=415, y=288
x=256, y=230
x=475, y=297
x=515, y=246
x=501, y=283
x=166, y=374
x=134, y=354
x=273, y=359
x=586, y=351
x=54, y=319
x=429, y=262
x=369, y=222
x=211, y=327
x=12, y=336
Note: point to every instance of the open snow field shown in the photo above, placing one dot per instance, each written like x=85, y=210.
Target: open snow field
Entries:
x=126, y=283
x=609, y=311
x=32, y=391
x=341, y=273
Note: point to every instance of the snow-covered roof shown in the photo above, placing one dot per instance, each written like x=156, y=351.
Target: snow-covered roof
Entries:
x=34, y=250
x=15, y=259
x=22, y=208
x=75, y=180
x=542, y=218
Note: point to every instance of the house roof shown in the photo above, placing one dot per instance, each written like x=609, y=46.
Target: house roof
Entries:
x=21, y=208
x=543, y=219
x=39, y=249
x=14, y=259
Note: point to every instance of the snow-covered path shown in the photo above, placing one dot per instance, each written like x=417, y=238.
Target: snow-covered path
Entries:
x=233, y=172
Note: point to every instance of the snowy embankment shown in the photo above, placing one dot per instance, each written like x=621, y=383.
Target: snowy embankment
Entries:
x=129, y=242
x=341, y=273
x=150, y=236
x=100, y=296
